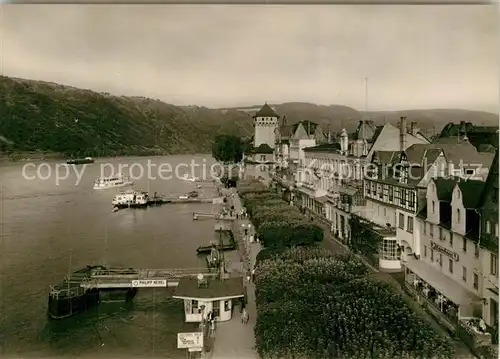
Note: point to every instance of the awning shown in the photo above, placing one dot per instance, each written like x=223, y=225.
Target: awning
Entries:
x=188, y=288
x=307, y=191
x=447, y=286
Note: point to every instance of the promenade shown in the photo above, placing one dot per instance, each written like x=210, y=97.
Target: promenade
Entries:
x=233, y=339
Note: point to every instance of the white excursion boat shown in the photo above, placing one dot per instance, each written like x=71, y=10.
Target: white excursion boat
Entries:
x=130, y=199
x=189, y=178
x=113, y=182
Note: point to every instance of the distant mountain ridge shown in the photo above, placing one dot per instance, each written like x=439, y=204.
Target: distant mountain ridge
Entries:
x=49, y=117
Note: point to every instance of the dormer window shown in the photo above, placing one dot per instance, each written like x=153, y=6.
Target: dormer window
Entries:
x=458, y=215
x=433, y=207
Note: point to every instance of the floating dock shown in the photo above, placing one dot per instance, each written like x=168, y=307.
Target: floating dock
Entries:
x=221, y=235
x=94, y=284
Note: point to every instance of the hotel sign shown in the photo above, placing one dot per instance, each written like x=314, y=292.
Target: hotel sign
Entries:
x=444, y=250
x=189, y=340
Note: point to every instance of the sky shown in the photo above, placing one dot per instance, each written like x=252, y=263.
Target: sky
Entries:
x=415, y=57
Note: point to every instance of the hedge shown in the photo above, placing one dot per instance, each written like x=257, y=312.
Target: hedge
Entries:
x=312, y=304
x=277, y=224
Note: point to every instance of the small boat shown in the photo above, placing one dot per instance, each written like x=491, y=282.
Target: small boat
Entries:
x=190, y=195
x=80, y=161
x=131, y=199
x=113, y=182
x=189, y=178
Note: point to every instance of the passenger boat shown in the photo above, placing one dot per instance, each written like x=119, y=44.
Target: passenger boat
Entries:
x=80, y=161
x=189, y=178
x=131, y=199
x=190, y=195
x=113, y=182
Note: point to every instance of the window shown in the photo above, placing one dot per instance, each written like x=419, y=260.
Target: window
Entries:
x=368, y=188
x=440, y=260
x=441, y=236
x=468, y=172
x=464, y=244
x=458, y=215
x=391, y=193
x=494, y=264
x=262, y=157
x=451, y=239
x=425, y=227
x=374, y=189
x=390, y=250
x=432, y=255
x=226, y=306
x=431, y=230
x=433, y=207
x=401, y=221
x=385, y=212
x=458, y=194
x=402, y=201
x=410, y=224
x=476, y=281
x=476, y=250
x=411, y=200
x=194, y=307
x=450, y=265
x=386, y=190
x=464, y=274
x=488, y=227
x=380, y=192
x=425, y=251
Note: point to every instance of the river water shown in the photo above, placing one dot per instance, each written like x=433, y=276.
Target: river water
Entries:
x=46, y=228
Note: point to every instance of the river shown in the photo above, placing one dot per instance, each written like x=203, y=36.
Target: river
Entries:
x=46, y=228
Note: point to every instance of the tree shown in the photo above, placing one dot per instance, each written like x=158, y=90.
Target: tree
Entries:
x=227, y=149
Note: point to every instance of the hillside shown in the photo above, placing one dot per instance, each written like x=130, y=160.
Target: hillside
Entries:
x=41, y=116
x=48, y=117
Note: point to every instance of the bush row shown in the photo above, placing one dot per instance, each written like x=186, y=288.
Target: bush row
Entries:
x=277, y=224
x=312, y=304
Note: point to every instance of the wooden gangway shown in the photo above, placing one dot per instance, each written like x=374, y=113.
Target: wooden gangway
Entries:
x=139, y=278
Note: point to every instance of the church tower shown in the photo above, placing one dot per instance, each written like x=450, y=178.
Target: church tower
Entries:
x=265, y=122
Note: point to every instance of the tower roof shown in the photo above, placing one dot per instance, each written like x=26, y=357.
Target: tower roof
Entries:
x=266, y=111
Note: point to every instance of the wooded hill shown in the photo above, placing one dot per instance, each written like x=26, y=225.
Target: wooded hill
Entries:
x=48, y=117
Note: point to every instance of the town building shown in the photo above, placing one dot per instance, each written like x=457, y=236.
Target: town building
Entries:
x=203, y=296
x=481, y=137
x=330, y=177
x=488, y=242
x=448, y=275
x=265, y=123
x=396, y=188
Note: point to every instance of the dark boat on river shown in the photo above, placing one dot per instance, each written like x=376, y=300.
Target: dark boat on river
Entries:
x=80, y=161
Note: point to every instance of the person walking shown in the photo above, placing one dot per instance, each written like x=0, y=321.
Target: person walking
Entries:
x=244, y=315
x=253, y=275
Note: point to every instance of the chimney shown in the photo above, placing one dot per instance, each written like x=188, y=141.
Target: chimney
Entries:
x=402, y=134
x=414, y=129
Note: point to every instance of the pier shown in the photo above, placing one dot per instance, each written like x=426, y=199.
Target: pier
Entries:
x=139, y=278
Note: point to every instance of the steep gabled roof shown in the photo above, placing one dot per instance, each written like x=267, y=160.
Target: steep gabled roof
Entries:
x=309, y=127
x=444, y=188
x=266, y=111
x=471, y=193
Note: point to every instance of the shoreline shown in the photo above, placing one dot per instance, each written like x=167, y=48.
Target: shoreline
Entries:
x=20, y=157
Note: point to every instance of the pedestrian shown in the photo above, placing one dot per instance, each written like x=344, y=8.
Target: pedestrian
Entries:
x=243, y=314
x=212, y=326
x=253, y=275
x=248, y=277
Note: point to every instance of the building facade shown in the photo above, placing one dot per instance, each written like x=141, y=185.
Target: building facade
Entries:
x=265, y=123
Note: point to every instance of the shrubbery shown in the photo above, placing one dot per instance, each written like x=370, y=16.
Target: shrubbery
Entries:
x=278, y=224
x=311, y=304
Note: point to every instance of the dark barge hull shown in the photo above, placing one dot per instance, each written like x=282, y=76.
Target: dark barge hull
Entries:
x=79, y=161
x=66, y=307
x=121, y=206
x=208, y=249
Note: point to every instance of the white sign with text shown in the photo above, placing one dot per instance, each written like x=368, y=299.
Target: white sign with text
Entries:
x=190, y=340
x=149, y=283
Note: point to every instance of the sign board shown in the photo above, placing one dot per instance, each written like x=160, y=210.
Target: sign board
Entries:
x=444, y=250
x=189, y=340
x=149, y=283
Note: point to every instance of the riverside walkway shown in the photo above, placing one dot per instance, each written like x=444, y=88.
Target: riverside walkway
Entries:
x=233, y=339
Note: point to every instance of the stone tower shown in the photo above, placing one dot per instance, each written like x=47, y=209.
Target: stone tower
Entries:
x=265, y=122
